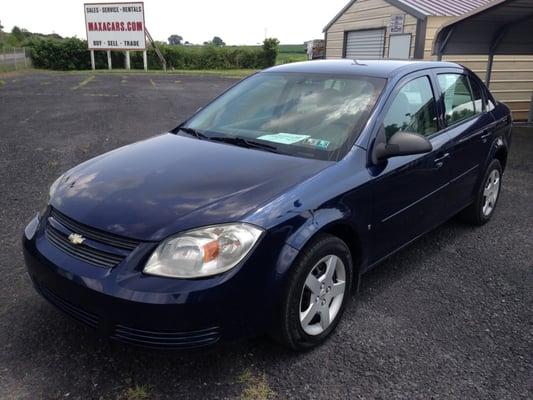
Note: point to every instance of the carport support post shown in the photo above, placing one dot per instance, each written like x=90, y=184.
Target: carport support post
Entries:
x=530, y=116
x=127, y=59
x=93, y=66
x=109, y=66
x=490, y=62
x=145, y=60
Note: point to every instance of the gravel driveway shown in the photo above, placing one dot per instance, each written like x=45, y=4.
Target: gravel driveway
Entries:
x=448, y=317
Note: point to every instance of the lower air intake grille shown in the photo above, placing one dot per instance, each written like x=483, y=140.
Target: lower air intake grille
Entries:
x=166, y=340
x=69, y=308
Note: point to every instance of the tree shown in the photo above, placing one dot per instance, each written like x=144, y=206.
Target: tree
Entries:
x=217, y=41
x=270, y=51
x=1, y=27
x=16, y=32
x=20, y=33
x=175, y=39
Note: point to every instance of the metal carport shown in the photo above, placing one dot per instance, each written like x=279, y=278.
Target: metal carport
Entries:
x=503, y=27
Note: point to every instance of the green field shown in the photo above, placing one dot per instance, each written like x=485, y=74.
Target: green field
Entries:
x=291, y=53
x=284, y=58
x=287, y=52
x=291, y=48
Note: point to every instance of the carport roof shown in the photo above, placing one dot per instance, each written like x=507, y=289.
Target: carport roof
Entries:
x=503, y=27
x=423, y=8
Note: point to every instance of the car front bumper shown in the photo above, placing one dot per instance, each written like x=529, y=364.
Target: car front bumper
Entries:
x=128, y=306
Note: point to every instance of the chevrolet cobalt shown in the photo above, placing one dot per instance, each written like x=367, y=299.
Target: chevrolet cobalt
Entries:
x=261, y=213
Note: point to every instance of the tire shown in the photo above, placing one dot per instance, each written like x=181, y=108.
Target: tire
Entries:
x=321, y=255
x=482, y=209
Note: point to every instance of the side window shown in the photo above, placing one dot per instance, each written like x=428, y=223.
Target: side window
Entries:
x=477, y=94
x=458, y=101
x=413, y=109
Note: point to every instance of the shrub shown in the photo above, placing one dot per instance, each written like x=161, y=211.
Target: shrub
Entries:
x=270, y=52
x=65, y=54
x=72, y=53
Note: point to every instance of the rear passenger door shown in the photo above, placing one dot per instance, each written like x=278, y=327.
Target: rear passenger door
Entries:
x=468, y=124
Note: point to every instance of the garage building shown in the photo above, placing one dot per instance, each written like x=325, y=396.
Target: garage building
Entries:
x=405, y=29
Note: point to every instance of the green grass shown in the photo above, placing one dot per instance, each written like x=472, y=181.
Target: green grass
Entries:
x=292, y=48
x=138, y=392
x=255, y=387
x=11, y=67
x=284, y=58
x=224, y=73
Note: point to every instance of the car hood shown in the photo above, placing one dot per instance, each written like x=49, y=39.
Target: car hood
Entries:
x=169, y=183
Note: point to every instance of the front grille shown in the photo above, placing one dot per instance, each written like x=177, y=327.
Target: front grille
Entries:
x=99, y=248
x=94, y=234
x=82, y=252
x=166, y=340
x=68, y=308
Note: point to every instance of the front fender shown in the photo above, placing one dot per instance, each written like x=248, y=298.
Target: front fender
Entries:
x=316, y=221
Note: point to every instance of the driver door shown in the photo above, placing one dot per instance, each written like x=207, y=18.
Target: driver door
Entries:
x=408, y=195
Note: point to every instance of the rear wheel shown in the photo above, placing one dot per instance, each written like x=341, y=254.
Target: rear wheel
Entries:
x=317, y=293
x=481, y=210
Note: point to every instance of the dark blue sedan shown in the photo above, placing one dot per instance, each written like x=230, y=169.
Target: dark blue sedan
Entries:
x=261, y=212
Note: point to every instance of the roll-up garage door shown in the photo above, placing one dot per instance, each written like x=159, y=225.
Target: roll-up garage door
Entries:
x=365, y=44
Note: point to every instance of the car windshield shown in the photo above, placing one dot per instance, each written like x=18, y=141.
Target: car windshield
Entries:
x=305, y=115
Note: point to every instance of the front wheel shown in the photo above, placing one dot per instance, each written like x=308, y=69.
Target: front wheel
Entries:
x=317, y=292
x=481, y=210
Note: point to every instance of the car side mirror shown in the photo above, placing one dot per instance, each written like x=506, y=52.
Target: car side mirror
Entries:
x=400, y=144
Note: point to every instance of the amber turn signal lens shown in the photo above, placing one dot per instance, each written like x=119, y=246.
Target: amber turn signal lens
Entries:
x=211, y=251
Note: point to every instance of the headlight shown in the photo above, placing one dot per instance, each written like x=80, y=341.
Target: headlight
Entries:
x=203, y=252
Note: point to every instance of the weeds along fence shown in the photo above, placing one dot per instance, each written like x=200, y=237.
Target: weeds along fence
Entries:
x=12, y=59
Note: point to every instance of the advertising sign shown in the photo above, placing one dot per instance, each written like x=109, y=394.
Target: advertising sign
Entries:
x=396, y=23
x=115, y=26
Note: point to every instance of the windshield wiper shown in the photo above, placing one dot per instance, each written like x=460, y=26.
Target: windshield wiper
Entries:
x=238, y=141
x=193, y=132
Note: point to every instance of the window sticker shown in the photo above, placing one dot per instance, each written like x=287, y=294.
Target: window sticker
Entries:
x=283, y=138
x=318, y=143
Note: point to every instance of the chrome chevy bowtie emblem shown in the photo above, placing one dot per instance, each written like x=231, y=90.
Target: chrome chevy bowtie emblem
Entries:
x=75, y=238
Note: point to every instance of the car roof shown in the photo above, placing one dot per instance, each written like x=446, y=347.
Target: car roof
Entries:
x=375, y=68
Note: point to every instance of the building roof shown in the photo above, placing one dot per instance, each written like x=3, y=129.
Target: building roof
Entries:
x=452, y=8
x=373, y=68
x=504, y=27
x=423, y=8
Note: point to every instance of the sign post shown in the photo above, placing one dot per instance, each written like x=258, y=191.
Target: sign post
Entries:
x=127, y=60
x=145, y=60
x=115, y=27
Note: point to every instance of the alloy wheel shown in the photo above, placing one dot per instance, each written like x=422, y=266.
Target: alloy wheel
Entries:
x=322, y=295
x=490, y=194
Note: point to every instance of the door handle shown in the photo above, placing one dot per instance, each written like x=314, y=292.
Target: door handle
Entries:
x=442, y=158
x=486, y=135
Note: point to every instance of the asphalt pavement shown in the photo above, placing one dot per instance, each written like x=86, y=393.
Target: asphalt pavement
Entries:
x=449, y=317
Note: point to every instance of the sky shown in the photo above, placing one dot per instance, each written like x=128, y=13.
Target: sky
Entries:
x=235, y=21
